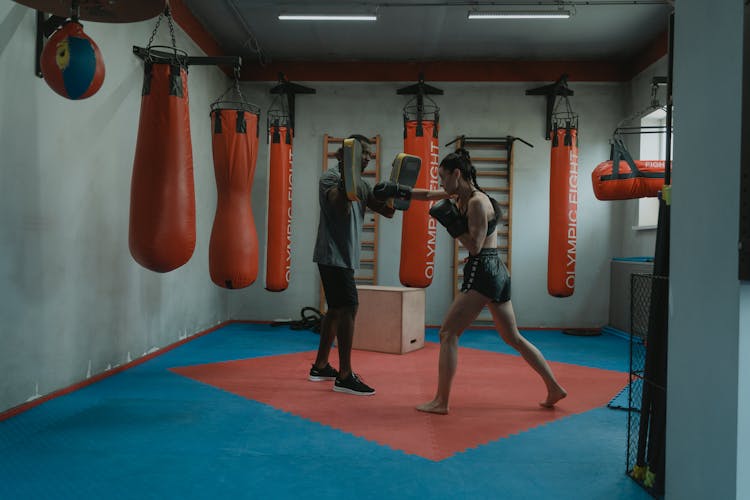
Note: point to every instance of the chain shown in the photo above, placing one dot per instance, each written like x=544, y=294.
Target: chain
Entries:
x=153, y=33
x=168, y=15
x=654, y=97
x=568, y=109
x=237, y=83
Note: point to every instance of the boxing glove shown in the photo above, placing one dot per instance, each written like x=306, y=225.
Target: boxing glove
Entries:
x=385, y=190
x=447, y=214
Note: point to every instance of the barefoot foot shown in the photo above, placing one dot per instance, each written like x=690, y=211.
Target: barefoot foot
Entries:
x=433, y=407
x=553, y=397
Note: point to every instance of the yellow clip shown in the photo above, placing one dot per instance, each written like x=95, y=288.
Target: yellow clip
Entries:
x=666, y=194
x=638, y=472
x=650, y=480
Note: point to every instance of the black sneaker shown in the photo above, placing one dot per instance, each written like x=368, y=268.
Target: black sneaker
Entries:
x=353, y=385
x=321, y=374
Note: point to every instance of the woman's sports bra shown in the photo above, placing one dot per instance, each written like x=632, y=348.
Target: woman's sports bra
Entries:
x=492, y=223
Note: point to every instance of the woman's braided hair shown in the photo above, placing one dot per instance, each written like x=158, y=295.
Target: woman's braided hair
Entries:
x=461, y=160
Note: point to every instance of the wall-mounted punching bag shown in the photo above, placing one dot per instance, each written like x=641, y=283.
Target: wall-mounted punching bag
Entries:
x=162, y=194
x=419, y=230
x=233, y=249
x=563, y=211
x=279, y=213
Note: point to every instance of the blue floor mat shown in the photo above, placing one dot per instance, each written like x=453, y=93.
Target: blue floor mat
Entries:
x=149, y=433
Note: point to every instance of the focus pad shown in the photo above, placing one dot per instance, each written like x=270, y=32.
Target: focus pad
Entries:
x=352, y=167
x=405, y=171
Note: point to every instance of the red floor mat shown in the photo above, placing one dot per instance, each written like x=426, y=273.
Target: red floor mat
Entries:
x=494, y=395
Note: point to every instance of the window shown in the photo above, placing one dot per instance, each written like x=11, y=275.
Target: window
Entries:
x=653, y=147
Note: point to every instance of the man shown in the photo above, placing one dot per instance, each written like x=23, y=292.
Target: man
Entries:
x=337, y=251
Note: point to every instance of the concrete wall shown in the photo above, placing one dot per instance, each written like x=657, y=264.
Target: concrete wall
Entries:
x=706, y=323
x=73, y=301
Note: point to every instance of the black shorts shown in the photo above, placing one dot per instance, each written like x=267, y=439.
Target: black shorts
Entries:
x=486, y=273
x=339, y=286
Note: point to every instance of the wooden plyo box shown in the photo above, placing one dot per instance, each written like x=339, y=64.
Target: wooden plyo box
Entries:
x=389, y=319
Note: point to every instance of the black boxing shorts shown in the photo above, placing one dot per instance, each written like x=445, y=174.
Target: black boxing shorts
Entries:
x=339, y=286
x=486, y=273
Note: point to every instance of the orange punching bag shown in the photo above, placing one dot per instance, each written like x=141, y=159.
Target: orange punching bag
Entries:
x=233, y=249
x=279, y=213
x=419, y=230
x=162, y=194
x=563, y=209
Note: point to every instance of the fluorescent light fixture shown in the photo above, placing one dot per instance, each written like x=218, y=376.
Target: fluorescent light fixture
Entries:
x=328, y=17
x=520, y=14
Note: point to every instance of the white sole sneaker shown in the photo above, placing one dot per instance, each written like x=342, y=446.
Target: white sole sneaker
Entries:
x=344, y=390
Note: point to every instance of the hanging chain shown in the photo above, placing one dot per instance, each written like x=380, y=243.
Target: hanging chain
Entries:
x=654, y=97
x=153, y=33
x=568, y=109
x=237, y=83
x=168, y=15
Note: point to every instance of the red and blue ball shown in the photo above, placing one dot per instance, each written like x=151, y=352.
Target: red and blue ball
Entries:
x=71, y=63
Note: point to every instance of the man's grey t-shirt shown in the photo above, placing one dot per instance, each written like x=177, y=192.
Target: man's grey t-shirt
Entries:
x=339, y=232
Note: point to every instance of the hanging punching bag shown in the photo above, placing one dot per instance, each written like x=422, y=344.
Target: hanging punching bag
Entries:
x=233, y=249
x=563, y=208
x=419, y=230
x=162, y=195
x=279, y=212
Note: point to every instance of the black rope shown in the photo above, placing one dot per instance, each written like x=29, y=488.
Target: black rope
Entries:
x=311, y=320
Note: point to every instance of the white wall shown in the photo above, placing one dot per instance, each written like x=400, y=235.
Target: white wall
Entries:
x=73, y=302
x=478, y=109
x=704, y=433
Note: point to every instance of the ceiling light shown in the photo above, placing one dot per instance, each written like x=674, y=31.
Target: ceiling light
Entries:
x=328, y=17
x=520, y=14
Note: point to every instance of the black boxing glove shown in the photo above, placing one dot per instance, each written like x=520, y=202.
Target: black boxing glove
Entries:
x=447, y=214
x=385, y=190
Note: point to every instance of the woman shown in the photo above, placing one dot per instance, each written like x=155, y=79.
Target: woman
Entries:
x=472, y=219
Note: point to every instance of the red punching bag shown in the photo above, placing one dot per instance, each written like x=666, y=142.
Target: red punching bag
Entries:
x=622, y=178
x=233, y=249
x=563, y=210
x=419, y=230
x=162, y=195
x=279, y=213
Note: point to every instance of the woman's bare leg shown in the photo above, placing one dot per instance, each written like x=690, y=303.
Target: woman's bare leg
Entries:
x=465, y=308
x=505, y=322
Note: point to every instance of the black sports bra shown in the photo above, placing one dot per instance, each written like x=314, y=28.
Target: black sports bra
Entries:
x=492, y=223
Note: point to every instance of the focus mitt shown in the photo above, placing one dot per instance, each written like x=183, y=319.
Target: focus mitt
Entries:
x=351, y=168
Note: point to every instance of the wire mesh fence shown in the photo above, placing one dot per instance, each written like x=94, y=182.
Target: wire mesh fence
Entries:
x=647, y=384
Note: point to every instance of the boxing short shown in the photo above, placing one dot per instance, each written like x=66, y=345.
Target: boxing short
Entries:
x=486, y=273
x=339, y=286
